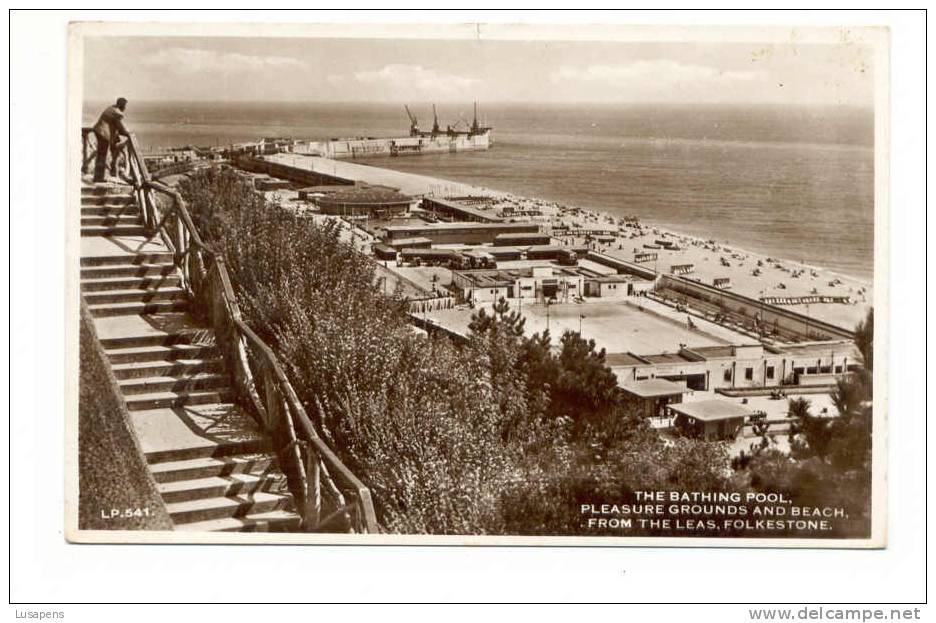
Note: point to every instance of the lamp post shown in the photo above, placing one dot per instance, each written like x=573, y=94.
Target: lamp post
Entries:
x=547, y=314
x=807, y=322
x=581, y=318
x=762, y=314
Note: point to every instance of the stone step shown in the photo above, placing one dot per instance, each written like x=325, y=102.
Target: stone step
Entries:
x=137, y=308
x=274, y=521
x=227, y=449
x=161, y=354
x=135, y=295
x=101, y=188
x=115, y=230
x=206, y=467
x=129, y=283
x=106, y=210
x=110, y=220
x=127, y=261
x=179, y=367
x=178, y=384
x=213, y=429
x=153, y=330
x=137, y=270
x=169, y=400
x=223, y=486
x=106, y=199
x=195, y=337
x=221, y=507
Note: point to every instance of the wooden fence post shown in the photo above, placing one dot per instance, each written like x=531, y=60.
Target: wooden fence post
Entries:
x=314, y=493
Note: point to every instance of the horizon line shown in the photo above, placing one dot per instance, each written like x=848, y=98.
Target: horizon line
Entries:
x=869, y=107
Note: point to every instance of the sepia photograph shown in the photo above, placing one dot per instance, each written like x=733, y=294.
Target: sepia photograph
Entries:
x=477, y=284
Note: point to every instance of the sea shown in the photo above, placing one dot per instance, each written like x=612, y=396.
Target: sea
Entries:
x=794, y=182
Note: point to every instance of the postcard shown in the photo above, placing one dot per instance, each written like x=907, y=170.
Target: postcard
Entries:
x=477, y=284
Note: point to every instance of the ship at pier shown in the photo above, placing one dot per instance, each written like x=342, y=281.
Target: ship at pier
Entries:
x=460, y=136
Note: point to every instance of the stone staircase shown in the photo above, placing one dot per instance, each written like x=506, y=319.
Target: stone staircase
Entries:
x=210, y=460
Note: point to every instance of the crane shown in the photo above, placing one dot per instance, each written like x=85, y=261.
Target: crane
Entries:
x=453, y=129
x=476, y=127
x=435, y=120
x=414, y=123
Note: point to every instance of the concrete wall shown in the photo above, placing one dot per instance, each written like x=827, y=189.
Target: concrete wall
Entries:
x=785, y=319
x=609, y=290
x=642, y=286
x=460, y=235
x=373, y=210
x=621, y=266
x=293, y=174
x=112, y=470
x=422, y=306
x=487, y=295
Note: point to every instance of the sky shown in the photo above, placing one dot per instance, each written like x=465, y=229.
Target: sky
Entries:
x=458, y=70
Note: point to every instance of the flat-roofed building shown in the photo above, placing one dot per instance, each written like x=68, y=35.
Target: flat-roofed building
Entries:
x=264, y=183
x=743, y=366
x=479, y=258
x=651, y=397
x=455, y=210
x=310, y=193
x=384, y=252
x=505, y=254
x=411, y=243
x=362, y=200
x=711, y=420
x=427, y=257
x=537, y=282
x=616, y=286
x=521, y=239
x=457, y=233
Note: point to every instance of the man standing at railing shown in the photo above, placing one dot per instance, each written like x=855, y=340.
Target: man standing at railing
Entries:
x=108, y=130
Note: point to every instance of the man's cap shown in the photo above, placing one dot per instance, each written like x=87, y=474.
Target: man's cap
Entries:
x=121, y=101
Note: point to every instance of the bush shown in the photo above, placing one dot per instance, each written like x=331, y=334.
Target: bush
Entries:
x=425, y=424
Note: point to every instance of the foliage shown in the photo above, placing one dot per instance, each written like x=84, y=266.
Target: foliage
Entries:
x=812, y=482
x=434, y=430
x=864, y=339
x=830, y=459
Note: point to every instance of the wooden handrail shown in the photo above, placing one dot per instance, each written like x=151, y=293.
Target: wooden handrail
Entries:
x=183, y=213
x=308, y=429
x=288, y=416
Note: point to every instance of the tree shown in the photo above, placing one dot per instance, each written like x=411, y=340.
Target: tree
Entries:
x=851, y=430
x=585, y=388
x=864, y=339
x=809, y=435
x=510, y=323
x=850, y=393
x=798, y=408
x=540, y=370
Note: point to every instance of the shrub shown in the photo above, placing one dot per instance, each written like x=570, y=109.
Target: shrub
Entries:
x=427, y=425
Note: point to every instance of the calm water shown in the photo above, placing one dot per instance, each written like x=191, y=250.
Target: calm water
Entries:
x=796, y=183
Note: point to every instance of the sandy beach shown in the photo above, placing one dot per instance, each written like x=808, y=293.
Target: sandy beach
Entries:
x=750, y=274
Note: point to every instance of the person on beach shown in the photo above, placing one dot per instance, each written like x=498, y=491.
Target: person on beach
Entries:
x=109, y=130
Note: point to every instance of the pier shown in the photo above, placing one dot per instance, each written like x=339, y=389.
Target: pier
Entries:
x=296, y=166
